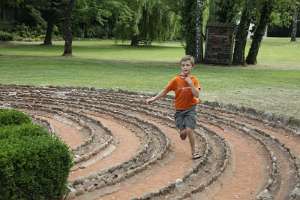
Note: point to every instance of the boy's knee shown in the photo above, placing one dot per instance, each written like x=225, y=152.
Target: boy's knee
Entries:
x=183, y=133
x=189, y=130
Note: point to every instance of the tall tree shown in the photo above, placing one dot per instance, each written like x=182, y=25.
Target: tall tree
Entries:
x=198, y=37
x=193, y=30
x=242, y=33
x=264, y=20
x=294, y=24
x=49, y=31
x=51, y=11
x=67, y=29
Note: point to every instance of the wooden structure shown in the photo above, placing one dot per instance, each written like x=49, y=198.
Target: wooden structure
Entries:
x=219, y=44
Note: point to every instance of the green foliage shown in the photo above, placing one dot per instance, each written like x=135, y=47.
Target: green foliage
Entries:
x=90, y=18
x=33, y=164
x=49, y=8
x=12, y=117
x=23, y=32
x=227, y=11
x=25, y=20
x=21, y=130
x=11, y=3
x=148, y=20
x=125, y=25
x=34, y=13
x=283, y=12
x=5, y=36
x=157, y=21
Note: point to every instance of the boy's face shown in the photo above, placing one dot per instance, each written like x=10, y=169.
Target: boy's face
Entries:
x=186, y=67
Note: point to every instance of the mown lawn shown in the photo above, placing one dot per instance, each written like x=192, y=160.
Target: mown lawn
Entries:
x=272, y=85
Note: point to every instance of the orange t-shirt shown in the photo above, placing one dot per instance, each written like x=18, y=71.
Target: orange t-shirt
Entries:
x=184, y=97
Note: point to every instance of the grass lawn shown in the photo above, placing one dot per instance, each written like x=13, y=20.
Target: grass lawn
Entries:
x=272, y=85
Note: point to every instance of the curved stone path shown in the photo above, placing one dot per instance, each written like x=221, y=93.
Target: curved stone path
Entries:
x=125, y=149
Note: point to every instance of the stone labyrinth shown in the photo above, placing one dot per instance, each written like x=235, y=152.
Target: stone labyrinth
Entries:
x=125, y=149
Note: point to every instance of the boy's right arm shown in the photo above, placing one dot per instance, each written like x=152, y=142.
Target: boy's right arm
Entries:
x=162, y=93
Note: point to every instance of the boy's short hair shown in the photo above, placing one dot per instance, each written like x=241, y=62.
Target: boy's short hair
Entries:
x=188, y=58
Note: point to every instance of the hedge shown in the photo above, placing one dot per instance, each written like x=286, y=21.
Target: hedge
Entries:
x=4, y=36
x=12, y=117
x=33, y=164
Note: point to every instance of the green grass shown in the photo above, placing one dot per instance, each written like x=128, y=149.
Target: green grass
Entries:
x=272, y=85
x=104, y=50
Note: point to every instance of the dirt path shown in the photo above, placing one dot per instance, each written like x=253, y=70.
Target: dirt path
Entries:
x=243, y=180
x=68, y=133
x=156, y=176
x=142, y=154
x=285, y=163
x=127, y=146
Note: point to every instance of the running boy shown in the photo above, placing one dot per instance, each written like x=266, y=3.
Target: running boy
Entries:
x=186, y=88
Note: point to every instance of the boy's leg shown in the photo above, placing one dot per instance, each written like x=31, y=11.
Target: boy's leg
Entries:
x=180, y=125
x=183, y=134
x=190, y=124
x=190, y=134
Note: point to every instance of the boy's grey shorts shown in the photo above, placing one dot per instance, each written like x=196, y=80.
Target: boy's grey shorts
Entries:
x=186, y=118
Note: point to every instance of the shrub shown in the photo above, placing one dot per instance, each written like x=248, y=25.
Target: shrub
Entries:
x=26, y=33
x=22, y=131
x=12, y=117
x=33, y=164
x=4, y=36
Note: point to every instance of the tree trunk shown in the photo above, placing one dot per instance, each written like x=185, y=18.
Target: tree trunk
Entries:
x=192, y=22
x=134, y=41
x=67, y=28
x=260, y=31
x=48, y=37
x=241, y=34
x=294, y=28
x=198, y=34
x=189, y=30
